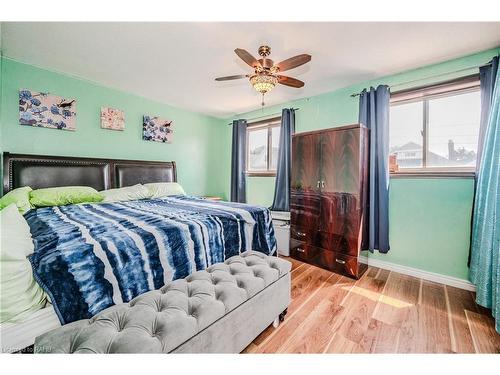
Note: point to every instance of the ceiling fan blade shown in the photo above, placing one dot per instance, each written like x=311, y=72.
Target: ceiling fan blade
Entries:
x=289, y=81
x=293, y=62
x=228, y=78
x=247, y=57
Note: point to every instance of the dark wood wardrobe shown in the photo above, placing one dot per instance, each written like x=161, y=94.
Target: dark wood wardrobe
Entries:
x=328, y=198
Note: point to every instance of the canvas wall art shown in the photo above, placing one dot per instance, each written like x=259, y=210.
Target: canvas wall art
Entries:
x=112, y=118
x=157, y=129
x=42, y=109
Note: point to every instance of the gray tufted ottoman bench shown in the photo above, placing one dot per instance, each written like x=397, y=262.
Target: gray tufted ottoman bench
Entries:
x=219, y=310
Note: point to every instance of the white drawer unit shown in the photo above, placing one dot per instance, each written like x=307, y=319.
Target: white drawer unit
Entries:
x=281, y=224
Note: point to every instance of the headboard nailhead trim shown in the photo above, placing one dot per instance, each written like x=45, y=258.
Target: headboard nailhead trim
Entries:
x=10, y=159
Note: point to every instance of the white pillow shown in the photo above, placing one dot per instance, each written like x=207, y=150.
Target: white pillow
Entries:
x=20, y=294
x=124, y=194
x=164, y=189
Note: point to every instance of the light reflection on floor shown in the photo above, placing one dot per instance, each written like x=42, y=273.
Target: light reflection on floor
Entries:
x=374, y=296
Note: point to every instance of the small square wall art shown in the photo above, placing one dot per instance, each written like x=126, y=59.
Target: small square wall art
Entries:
x=44, y=110
x=112, y=118
x=157, y=129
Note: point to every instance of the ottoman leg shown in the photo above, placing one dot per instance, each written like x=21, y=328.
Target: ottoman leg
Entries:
x=279, y=319
x=282, y=315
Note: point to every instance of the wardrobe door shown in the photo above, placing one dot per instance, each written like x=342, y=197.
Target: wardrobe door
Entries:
x=339, y=222
x=304, y=194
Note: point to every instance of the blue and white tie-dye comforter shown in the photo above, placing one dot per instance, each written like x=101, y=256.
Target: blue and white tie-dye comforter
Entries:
x=91, y=256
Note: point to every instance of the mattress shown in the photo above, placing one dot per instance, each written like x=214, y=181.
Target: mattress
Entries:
x=15, y=336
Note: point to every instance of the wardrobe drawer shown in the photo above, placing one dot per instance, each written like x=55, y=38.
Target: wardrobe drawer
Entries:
x=299, y=251
x=340, y=263
x=333, y=261
x=303, y=252
x=301, y=234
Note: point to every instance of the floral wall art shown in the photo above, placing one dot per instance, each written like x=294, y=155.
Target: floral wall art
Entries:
x=157, y=129
x=42, y=109
x=112, y=118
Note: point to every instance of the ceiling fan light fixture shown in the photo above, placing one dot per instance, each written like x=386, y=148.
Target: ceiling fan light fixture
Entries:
x=263, y=83
x=267, y=74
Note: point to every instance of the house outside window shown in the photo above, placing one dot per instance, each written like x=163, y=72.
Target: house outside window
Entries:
x=262, y=147
x=435, y=129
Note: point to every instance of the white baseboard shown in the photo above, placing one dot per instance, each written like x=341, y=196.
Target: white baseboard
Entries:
x=415, y=272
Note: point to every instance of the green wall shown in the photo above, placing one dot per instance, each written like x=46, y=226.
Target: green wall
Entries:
x=430, y=218
x=194, y=145
x=260, y=190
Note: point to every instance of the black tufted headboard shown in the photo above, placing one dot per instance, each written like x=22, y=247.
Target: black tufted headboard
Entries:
x=41, y=171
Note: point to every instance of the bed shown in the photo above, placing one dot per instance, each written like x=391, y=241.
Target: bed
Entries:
x=91, y=256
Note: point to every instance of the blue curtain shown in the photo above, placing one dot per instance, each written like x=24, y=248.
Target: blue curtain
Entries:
x=238, y=162
x=374, y=114
x=281, y=201
x=485, y=245
x=487, y=76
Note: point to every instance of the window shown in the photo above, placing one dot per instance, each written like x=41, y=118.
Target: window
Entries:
x=435, y=129
x=262, y=147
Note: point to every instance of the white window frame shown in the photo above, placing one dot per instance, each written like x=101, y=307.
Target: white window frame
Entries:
x=424, y=94
x=268, y=124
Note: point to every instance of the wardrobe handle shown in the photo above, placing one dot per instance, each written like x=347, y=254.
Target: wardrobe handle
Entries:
x=301, y=234
x=340, y=261
x=300, y=250
x=317, y=185
x=323, y=184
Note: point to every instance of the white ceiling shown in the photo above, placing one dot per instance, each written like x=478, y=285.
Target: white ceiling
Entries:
x=176, y=63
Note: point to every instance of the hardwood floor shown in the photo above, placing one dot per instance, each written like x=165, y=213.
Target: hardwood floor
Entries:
x=383, y=312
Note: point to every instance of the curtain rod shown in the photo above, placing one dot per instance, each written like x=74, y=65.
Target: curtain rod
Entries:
x=429, y=77
x=270, y=116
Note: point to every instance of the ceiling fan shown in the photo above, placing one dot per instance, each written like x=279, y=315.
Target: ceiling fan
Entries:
x=267, y=74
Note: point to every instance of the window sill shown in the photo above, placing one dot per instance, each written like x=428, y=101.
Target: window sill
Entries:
x=433, y=174
x=261, y=174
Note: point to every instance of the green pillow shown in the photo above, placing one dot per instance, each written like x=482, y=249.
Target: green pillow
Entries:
x=164, y=189
x=124, y=194
x=20, y=197
x=60, y=196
